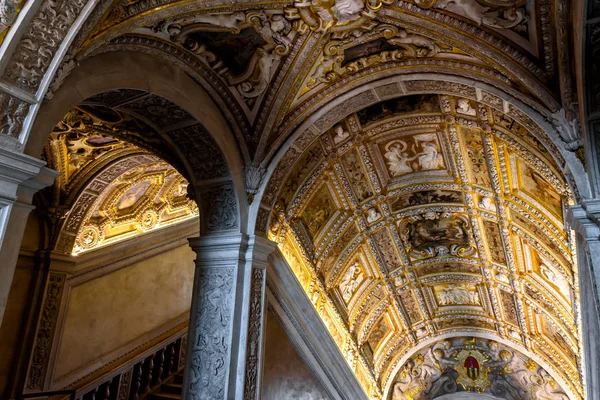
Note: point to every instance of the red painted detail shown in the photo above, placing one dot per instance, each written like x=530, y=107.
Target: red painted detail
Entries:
x=471, y=362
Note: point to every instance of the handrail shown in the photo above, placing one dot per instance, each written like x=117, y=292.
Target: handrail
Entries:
x=133, y=379
x=72, y=394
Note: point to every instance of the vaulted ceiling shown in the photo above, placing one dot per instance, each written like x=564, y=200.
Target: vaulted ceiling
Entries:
x=110, y=189
x=269, y=65
x=428, y=215
x=428, y=206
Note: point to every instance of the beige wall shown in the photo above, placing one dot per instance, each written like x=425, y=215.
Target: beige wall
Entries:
x=108, y=312
x=286, y=376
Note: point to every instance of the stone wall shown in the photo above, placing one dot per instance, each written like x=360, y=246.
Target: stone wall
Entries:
x=286, y=376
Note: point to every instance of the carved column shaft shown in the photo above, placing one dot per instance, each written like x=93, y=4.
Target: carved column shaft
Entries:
x=225, y=347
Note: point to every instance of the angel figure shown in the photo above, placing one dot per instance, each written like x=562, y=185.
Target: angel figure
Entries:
x=398, y=158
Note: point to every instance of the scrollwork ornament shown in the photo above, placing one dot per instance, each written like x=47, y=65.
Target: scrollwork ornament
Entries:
x=568, y=129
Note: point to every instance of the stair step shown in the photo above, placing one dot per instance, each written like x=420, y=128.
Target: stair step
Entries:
x=178, y=379
x=164, y=396
x=175, y=388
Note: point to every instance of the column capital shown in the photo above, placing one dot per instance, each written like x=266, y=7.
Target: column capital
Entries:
x=231, y=247
x=259, y=250
x=583, y=218
x=219, y=248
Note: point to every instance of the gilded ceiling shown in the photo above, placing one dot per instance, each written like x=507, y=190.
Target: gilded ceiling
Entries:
x=431, y=215
x=424, y=217
x=109, y=189
x=269, y=65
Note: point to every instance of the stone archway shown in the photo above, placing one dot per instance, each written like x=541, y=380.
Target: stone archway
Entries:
x=119, y=70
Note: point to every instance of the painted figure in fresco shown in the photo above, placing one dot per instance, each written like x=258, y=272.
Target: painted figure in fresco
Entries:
x=133, y=195
x=443, y=230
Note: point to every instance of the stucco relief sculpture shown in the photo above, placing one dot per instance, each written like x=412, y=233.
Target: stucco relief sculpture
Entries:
x=473, y=365
x=353, y=277
x=456, y=294
x=336, y=15
x=259, y=40
x=340, y=134
x=495, y=14
x=419, y=153
x=344, y=57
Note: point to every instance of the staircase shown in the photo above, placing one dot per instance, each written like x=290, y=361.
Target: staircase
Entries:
x=169, y=390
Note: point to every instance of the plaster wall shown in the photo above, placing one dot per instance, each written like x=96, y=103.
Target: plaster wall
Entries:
x=108, y=312
x=286, y=376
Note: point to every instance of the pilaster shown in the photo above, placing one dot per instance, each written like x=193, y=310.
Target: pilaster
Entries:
x=584, y=220
x=226, y=337
x=21, y=176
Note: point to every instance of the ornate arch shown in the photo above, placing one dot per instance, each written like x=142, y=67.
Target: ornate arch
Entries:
x=171, y=89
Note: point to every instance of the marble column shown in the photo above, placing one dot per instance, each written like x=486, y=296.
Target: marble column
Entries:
x=227, y=321
x=21, y=176
x=584, y=219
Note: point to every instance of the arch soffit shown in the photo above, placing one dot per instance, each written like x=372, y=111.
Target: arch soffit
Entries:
x=360, y=97
x=117, y=70
x=326, y=118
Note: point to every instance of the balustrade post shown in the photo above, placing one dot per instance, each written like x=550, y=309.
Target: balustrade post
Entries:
x=148, y=365
x=225, y=340
x=105, y=393
x=170, y=360
x=136, y=381
x=160, y=359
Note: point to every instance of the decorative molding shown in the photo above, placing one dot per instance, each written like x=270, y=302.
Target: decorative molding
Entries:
x=255, y=335
x=219, y=208
x=208, y=355
x=45, y=332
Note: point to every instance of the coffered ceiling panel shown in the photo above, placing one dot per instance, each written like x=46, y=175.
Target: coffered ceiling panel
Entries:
x=428, y=216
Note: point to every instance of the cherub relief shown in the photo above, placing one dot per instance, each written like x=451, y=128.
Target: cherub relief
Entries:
x=419, y=153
